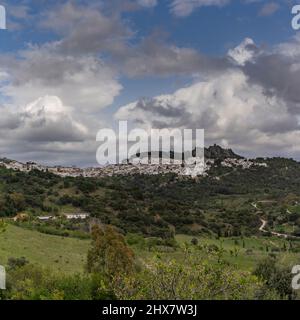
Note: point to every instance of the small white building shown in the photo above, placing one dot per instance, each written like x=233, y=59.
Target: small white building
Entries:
x=46, y=218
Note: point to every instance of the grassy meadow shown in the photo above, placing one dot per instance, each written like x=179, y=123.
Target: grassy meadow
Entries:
x=67, y=255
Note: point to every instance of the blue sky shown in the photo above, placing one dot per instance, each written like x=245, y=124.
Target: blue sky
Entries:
x=210, y=29
x=69, y=68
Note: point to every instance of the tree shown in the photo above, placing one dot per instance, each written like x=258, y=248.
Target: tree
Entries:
x=275, y=277
x=194, y=241
x=109, y=253
x=33, y=282
x=14, y=263
x=17, y=201
x=2, y=226
x=193, y=279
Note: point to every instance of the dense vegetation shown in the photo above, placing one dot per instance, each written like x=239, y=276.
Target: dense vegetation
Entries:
x=162, y=205
x=113, y=272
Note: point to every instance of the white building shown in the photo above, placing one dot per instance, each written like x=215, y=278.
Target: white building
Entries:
x=46, y=218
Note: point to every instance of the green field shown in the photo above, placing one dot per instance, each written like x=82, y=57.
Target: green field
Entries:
x=68, y=255
x=245, y=253
x=61, y=254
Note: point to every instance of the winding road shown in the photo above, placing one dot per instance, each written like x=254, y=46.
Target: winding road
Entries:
x=264, y=223
x=277, y=234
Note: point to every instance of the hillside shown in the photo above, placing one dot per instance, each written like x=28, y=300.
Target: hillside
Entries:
x=211, y=152
x=217, y=152
x=216, y=219
x=64, y=255
x=161, y=205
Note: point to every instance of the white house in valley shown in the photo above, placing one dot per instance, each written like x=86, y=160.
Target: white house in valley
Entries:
x=46, y=218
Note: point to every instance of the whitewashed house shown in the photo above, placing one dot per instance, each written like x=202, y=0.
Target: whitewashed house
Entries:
x=46, y=218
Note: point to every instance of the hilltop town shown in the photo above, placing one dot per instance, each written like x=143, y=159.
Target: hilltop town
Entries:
x=144, y=166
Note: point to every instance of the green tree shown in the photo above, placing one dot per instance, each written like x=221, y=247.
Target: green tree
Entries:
x=2, y=226
x=192, y=279
x=275, y=277
x=109, y=253
x=194, y=241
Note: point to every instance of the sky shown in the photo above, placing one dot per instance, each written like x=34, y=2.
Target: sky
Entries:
x=70, y=68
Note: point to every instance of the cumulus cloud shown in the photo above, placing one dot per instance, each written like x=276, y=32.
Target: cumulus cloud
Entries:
x=290, y=48
x=45, y=130
x=83, y=82
x=85, y=29
x=244, y=52
x=53, y=94
x=47, y=119
x=278, y=72
x=252, y=105
x=72, y=70
x=230, y=99
x=155, y=56
x=51, y=99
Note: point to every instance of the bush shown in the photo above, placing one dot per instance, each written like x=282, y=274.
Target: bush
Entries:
x=194, y=241
x=14, y=263
x=275, y=277
x=191, y=280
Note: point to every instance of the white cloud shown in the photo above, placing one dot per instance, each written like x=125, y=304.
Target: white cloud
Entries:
x=51, y=105
x=44, y=130
x=183, y=8
x=47, y=119
x=228, y=107
x=84, y=83
x=290, y=48
x=53, y=95
x=244, y=52
x=86, y=29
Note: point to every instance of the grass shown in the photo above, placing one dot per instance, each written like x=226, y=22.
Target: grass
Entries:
x=66, y=255
x=249, y=250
